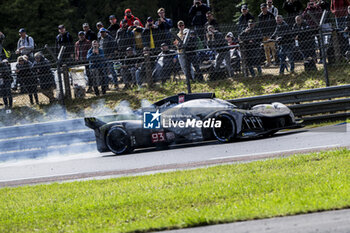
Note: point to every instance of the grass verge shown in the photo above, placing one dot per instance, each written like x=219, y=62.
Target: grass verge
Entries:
x=276, y=187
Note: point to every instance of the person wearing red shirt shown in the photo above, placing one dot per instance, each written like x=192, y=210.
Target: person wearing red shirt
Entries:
x=339, y=9
x=130, y=18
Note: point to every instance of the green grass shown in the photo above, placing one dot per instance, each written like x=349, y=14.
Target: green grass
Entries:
x=227, y=193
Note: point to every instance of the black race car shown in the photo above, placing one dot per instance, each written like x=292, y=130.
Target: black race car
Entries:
x=187, y=118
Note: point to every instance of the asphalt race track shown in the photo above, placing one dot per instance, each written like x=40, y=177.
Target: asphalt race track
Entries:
x=96, y=165
x=323, y=222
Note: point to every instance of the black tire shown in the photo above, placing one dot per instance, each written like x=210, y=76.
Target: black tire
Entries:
x=227, y=131
x=118, y=140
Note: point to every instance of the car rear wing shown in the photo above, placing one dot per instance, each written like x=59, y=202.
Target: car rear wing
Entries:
x=93, y=122
x=183, y=97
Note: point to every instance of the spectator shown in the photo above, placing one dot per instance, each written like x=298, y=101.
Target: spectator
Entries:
x=99, y=26
x=192, y=57
x=65, y=39
x=235, y=54
x=164, y=64
x=42, y=71
x=2, y=53
x=244, y=18
x=27, y=81
x=293, y=8
x=129, y=68
x=151, y=35
x=89, y=34
x=339, y=10
x=6, y=80
x=285, y=37
x=211, y=21
x=145, y=66
x=97, y=66
x=251, y=39
x=325, y=6
x=181, y=56
x=197, y=15
x=164, y=24
x=216, y=40
x=312, y=14
x=107, y=44
x=125, y=38
x=25, y=44
x=130, y=19
x=305, y=37
x=82, y=46
x=137, y=34
x=271, y=8
x=113, y=28
x=267, y=25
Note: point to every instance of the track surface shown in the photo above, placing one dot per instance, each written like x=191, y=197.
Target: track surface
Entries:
x=95, y=164
x=324, y=222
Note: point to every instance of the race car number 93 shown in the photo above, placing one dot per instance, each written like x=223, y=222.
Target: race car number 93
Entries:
x=158, y=137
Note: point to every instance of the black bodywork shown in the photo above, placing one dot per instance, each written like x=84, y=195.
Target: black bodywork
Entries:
x=121, y=134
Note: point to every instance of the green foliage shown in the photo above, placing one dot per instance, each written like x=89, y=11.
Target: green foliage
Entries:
x=261, y=189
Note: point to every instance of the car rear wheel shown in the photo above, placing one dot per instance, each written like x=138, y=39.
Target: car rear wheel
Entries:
x=118, y=141
x=227, y=131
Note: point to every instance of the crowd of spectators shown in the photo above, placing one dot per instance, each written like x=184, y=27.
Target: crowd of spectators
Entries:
x=147, y=52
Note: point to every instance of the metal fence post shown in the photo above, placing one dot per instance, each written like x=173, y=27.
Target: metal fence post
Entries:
x=58, y=60
x=68, y=92
x=322, y=49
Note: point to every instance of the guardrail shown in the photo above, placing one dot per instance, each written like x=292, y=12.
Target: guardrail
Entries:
x=72, y=136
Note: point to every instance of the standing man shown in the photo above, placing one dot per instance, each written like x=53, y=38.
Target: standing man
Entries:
x=113, y=28
x=6, y=80
x=65, y=39
x=124, y=38
x=2, y=54
x=81, y=48
x=130, y=18
x=107, y=44
x=197, y=15
x=271, y=8
x=244, y=18
x=251, y=39
x=293, y=8
x=267, y=25
x=339, y=9
x=164, y=24
x=286, y=39
x=25, y=44
x=97, y=64
x=151, y=35
x=89, y=34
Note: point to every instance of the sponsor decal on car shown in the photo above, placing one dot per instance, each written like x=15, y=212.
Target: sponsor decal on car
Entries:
x=154, y=120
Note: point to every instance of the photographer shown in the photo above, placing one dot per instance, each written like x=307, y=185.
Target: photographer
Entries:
x=164, y=24
x=197, y=15
x=96, y=59
x=151, y=35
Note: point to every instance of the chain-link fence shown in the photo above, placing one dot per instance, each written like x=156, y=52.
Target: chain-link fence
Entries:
x=145, y=58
